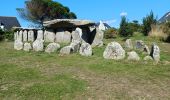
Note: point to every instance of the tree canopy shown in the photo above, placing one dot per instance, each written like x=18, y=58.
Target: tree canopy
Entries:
x=38, y=11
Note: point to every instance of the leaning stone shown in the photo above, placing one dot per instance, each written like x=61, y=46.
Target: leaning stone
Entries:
x=38, y=45
x=86, y=49
x=148, y=58
x=133, y=56
x=31, y=35
x=25, y=36
x=98, y=40
x=76, y=35
x=155, y=53
x=75, y=46
x=49, y=36
x=114, y=51
x=66, y=50
x=139, y=44
x=52, y=47
x=128, y=44
x=40, y=35
x=18, y=45
x=27, y=47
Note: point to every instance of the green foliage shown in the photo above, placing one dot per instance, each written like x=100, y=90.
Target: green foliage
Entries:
x=135, y=26
x=147, y=22
x=125, y=28
x=110, y=33
x=38, y=11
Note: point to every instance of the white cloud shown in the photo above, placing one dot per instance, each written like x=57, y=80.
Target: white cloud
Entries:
x=110, y=21
x=123, y=14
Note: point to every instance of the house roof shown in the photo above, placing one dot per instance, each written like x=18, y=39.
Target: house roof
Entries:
x=9, y=22
x=165, y=18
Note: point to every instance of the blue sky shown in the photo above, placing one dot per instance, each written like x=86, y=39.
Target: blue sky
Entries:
x=96, y=10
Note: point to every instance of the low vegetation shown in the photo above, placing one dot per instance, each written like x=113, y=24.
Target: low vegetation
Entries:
x=38, y=75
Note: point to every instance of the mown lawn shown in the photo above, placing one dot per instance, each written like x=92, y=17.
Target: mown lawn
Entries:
x=38, y=75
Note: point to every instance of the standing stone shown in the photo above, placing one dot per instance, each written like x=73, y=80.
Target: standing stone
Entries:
x=63, y=37
x=49, y=36
x=20, y=35
x=128, y=44
x=52, y=47
x=66, y=50
x=16, y=35
x=114, y=51
x=146, y=49
x=18, y=45
x=40, y=35
x=27, y=47
x=102, y=26
x=139, y=44
x=76, y=35
x=25, y=36
x=75, y=46
x=31, y=35
x=38, y=45
x=155, y=53
x=133, y=56
x=98, y=40
x=86, y=49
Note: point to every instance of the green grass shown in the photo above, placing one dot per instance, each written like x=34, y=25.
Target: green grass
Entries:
x=39, y=75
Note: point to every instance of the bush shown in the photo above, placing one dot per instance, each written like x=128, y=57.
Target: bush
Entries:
x=9, y=35
x=110, y=33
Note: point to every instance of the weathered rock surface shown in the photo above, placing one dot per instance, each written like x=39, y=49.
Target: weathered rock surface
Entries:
x=114, y=51
x=76, y=35
x=133, y=56
x=18, y=45
x=75, y=46
x=31, y=35
x=155, y=53
x=139, y=44
x=25, y=36
x=27, y=47
x=16, y=35
x=40, y=35
x=63, y=37
x=98, y=40
x=49, y=36
x=85, y=49
x=148, y=58
x=20, y=35
x=38, y=45
x=52, y=47
x=67, y=23
x=66, y=50
x=129, y=44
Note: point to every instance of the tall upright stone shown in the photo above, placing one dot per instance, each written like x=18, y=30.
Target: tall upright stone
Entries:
x=16, y=35
x=63, y=37
x=76, y=35
x=49, y=36
x=129, y=44
x=31, y=35
x=40, y=35
x=114, y=51
x=25, y=36
x=38, y=45
x=102, y=26
x=20, y=35
x=155, y=53
x=98, y=39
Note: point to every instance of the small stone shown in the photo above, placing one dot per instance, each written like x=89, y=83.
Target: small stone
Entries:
x=18, y=45
x=114, y=51
x=148, y=58
x=66, y=50
x=128, y=44
x=86, y=49
x=38, y=45
x=140, y=44
x=133, y=56
x=52, y=47
x=155, y=53
x=75, y=46
x=27, y=47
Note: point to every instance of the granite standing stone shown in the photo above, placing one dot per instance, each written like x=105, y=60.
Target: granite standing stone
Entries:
x=27, y=47
x=86, y=49
x=31, y=36
x=49, y=36
x=52, y=47
x=25, y=36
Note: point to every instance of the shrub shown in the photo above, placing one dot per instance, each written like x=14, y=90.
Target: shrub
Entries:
x=1, y=35
x=9, y=35
x=110, y=33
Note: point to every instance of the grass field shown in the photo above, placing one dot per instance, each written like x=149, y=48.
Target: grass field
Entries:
x=38, y=75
